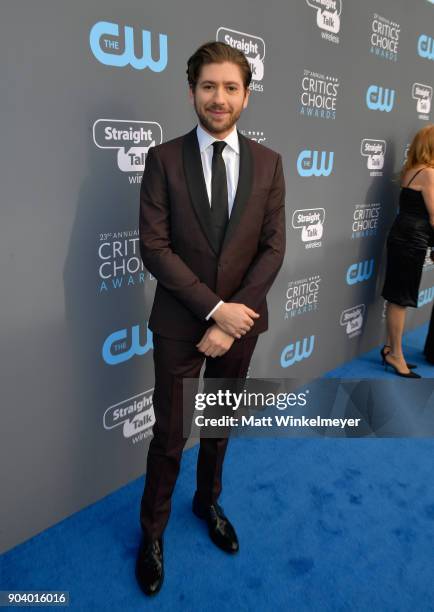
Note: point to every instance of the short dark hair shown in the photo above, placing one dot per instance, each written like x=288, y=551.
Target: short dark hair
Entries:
x=215, y=52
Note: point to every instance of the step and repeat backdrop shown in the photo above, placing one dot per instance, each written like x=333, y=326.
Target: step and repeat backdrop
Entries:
x=339, y=89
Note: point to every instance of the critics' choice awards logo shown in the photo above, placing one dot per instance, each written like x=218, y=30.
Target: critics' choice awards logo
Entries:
x=119, y=262
x=375, y=151
x=116, y=46
x=423, y=96
x=123, y=344
x=380, y=98
x=254, y=135
x=253, y=48
x=425, y=47
x=315, y=163
x=318, y=95
x=131, y=139
x=385, y=38
x=297, y=351
x=328, y=17
x=302, y=296
x=359, y=272
x=352, y=320
x=311, y=223
x=365, y=220
x=135, y=414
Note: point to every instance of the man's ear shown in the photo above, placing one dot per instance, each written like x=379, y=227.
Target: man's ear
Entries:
x=246, y=98
x=191, y=94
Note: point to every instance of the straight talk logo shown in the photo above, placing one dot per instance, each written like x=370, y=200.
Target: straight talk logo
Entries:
x=253, y=48
x=130, y=139
x=135, y=415
x=311, y=223
x=328, y=17
x=423, y=96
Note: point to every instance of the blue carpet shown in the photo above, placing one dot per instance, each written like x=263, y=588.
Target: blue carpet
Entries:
x=324, y=524
x=369, y=365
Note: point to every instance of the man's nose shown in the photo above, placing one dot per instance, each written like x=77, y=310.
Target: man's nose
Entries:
x=219, y=95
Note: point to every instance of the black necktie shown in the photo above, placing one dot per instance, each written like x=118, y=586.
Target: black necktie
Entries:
x=219, y=192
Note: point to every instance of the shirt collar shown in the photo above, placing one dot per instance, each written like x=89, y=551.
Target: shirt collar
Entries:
x=205, y=139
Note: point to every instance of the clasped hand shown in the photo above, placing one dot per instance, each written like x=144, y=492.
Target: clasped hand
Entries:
x=235, y=319
x=232, y=321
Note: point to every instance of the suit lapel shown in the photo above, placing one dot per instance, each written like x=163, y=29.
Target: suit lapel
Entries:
x=196, y=186
x=244, y=187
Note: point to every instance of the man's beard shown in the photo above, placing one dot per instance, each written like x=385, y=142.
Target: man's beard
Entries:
x=207, y=123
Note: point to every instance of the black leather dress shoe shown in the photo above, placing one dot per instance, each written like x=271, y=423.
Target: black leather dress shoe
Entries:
x=220, y=528
x=149, y=566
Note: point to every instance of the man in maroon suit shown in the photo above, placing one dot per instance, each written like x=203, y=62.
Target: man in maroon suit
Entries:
x=212, y=232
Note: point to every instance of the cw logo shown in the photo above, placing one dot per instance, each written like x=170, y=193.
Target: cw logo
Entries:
x=425, y=47
x=425, y=296
x=380, y=99
x=113, y=49
x=359, y=272
x=302, y=349
x=116, y=350
x=309, y=163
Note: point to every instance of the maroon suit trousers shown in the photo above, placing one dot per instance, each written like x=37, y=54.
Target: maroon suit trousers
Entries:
x=173, y=361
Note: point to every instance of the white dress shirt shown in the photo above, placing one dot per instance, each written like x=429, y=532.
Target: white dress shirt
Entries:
x=231, y=157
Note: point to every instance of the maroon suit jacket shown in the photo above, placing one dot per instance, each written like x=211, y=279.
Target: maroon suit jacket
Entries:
x=179, y=248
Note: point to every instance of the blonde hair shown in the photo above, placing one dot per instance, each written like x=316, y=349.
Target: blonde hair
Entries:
x=421, y=150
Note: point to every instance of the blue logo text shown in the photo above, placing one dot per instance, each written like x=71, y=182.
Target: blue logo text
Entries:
x=379, y=98
x=114, y=49
x=359, y=272
x=116, y=349
x=425, y=47
x=301, y=349
x=315, y=163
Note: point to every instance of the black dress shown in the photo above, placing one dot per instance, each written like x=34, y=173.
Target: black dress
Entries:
x=409, y=237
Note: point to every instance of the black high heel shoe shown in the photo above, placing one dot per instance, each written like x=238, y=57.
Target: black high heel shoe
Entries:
x=410, y=366
x=407, y=375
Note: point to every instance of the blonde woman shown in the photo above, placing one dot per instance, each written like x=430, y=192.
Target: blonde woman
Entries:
x=410, y=235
